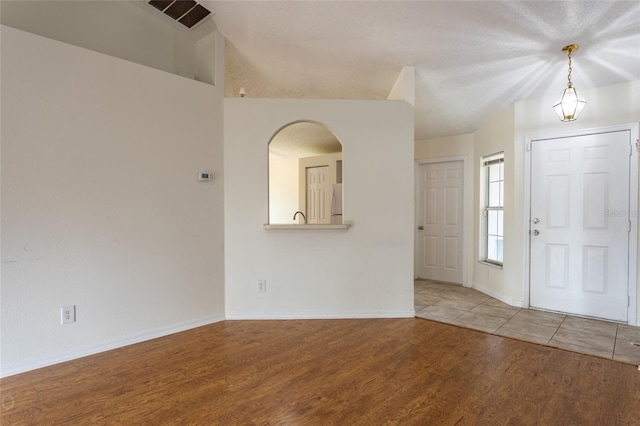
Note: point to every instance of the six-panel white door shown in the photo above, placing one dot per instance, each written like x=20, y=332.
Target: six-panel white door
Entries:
x=318, y=210
x=579, y=235
x=440, y=241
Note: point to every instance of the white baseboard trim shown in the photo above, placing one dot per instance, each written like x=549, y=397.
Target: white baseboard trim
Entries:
x=514, y=303
x=17, y=368
x=293, y=315
x=20, y=367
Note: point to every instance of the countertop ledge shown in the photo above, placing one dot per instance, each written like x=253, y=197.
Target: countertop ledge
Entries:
x=306, y=228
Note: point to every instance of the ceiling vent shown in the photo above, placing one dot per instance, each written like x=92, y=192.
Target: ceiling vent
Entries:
x=187, y=12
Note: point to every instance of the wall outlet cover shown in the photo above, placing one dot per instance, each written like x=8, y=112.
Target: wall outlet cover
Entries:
x=68, y=314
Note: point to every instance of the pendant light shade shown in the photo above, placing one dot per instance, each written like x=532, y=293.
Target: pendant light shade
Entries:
x=570, y=104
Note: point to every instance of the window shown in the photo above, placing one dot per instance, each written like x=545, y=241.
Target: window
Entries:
x=493, y=171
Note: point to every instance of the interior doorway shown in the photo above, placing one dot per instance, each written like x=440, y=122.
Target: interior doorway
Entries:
x=440, y=227
x=318, y=197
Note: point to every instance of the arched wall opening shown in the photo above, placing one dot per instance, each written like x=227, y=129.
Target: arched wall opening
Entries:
x=305, y=175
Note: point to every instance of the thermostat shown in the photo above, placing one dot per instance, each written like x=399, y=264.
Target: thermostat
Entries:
x=205, y=176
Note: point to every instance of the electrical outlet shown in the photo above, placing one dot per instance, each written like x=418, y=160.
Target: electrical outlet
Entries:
x=262, y=286
x=68, y=314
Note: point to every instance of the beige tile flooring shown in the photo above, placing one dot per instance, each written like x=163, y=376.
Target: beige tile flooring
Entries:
x=470, y=308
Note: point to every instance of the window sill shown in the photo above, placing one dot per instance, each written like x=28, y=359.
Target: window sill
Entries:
x=490, y=264
x=295, y=227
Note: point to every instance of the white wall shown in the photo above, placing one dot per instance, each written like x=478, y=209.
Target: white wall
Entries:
x=449, y=146
x=123, y=29
x=497, y=136
x=283, y=189
x=365, y=272
x=444, y=149
x=101, y=207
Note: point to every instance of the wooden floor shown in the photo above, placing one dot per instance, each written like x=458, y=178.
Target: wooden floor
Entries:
x=328, y=372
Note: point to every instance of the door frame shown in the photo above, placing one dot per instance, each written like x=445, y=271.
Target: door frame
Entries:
x=633, y=129
x=466, y=206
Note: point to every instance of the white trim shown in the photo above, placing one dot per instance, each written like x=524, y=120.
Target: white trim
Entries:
x=311, y=315
x=527, y=218
x=483, y=236
x=466, y=205
x=633, y=235
x=21, y=367
x=491, y=264
x=442, y=159
x=634, y=129
x=510, y=302
x=344, y=227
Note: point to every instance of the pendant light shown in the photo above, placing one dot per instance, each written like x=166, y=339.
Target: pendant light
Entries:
x=570, y=104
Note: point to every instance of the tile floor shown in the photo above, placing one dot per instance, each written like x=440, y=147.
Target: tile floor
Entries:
x=469, y=308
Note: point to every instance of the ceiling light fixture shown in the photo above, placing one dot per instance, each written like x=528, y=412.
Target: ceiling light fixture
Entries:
x=570, y=104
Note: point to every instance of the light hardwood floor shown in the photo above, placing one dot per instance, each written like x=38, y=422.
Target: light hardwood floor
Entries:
x=327, y=372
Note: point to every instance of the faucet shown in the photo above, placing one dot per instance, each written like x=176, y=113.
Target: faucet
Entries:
x=303, y=216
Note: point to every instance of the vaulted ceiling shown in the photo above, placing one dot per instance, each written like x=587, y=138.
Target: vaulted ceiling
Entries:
x=472, y=58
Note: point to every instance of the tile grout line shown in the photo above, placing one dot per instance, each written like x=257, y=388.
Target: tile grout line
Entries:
x=556, y=332
x=587, y=333
x=507, y=321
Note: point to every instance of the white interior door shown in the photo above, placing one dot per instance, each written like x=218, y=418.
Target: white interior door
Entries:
x=580, y=225
x=318, y=190
x=440, y=228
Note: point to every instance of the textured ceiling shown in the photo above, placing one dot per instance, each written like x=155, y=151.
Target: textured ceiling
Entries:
x=303, y=139
x=472, y=58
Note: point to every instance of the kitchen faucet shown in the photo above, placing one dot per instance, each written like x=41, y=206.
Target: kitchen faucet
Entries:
x=303, y=216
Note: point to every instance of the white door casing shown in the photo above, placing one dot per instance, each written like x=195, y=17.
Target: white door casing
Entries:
x=580, y=224
x=440, y=245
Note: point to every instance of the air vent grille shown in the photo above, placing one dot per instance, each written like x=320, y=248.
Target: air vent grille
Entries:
x=187, y=12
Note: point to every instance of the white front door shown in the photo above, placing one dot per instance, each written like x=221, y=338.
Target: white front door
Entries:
x=440, y=230
x=579, y=230
x=318, y=190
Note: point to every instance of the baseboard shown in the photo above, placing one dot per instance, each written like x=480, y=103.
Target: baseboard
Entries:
x=17, y=368
x=514, y=303
x=291, y=315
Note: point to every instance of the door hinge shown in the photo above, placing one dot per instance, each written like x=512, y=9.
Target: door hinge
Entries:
x=528, y=146
x=638, y=145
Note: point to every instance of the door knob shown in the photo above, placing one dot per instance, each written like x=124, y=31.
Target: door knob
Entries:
x=536, y=221
x=536, y=232
x=421, y=227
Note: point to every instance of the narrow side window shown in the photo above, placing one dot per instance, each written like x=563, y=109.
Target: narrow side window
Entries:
x=493, y=215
